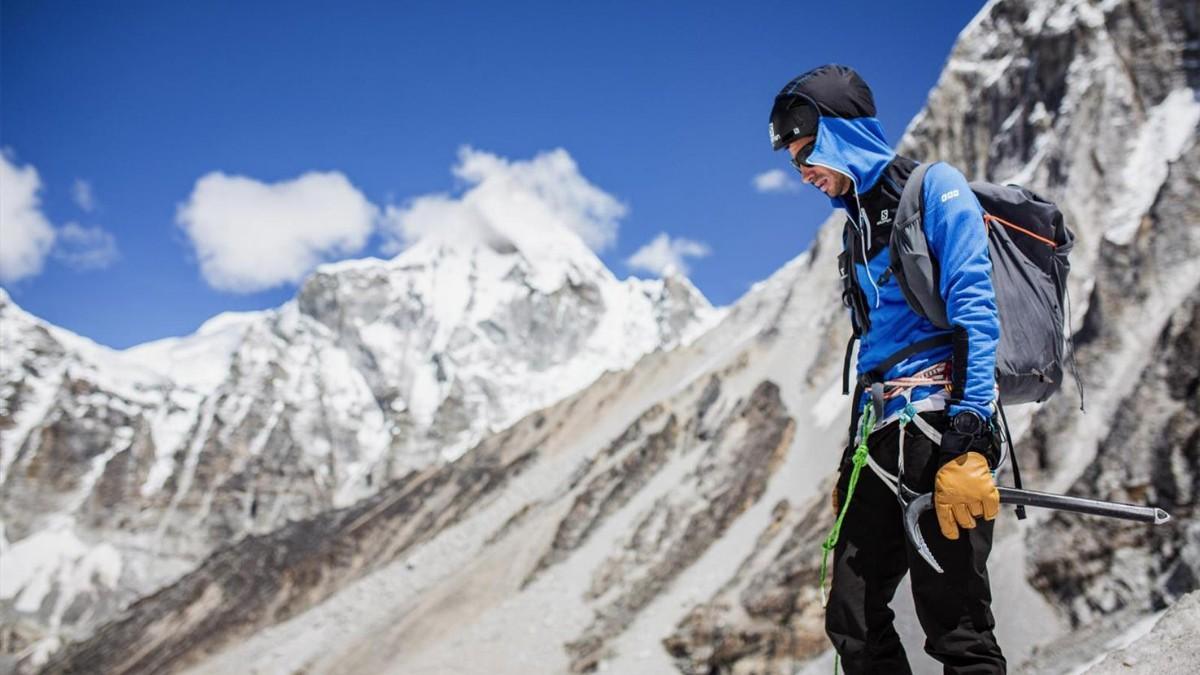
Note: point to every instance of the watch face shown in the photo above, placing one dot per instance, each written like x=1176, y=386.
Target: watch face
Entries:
x=967, y=423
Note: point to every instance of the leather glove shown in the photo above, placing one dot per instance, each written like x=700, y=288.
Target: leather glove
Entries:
x=963, y=490
x=835, y=500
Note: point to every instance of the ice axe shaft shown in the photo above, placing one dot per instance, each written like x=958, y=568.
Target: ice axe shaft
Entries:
x=1046, y=500
x=1091, y=507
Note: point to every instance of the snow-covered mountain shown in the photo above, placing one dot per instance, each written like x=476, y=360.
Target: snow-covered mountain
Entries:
x=149, y=459
x=668, y=517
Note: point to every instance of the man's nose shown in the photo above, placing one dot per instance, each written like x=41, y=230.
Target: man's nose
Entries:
x=808, y=174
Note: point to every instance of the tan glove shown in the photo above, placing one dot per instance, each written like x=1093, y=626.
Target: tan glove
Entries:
x=963, y=491
x=835, y=500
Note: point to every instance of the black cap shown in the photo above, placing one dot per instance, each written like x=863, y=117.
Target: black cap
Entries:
x=792, y=117
x=830, y=91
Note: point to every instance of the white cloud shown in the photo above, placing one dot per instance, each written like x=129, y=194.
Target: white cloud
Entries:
x=81, y=192
x=775, y=180
x=530, y=204
x=664, y=254
x=25, y=234
x=86, y=248
x=250, y=235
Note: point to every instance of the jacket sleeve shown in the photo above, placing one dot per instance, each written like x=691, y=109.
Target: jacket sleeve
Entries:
x=958, y=239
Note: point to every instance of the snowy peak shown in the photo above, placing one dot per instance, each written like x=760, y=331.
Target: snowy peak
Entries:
x=466, y=321
x=545, y=267
x=540, y=214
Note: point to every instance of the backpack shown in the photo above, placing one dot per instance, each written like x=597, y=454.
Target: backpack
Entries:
x=1029, y=245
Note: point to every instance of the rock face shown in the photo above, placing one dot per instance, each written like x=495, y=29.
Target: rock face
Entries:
x=1170, y=647
x=267, y=578
x=781, y=618
x=139, y=464
x=264, y=580
x=678, y=527
x=667, y=516
x=1152, y=454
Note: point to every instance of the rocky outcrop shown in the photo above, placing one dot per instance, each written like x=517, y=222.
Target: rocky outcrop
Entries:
x=1094, y=567
x=729, y=478
x=1169, y=648
x=1137, y=345
x=634, y=458
x=264, y=579
x=769, y=615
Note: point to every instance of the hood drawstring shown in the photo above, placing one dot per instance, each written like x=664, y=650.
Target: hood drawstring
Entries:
x=860, y=218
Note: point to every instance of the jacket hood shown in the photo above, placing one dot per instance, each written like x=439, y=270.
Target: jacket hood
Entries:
x=850, y=139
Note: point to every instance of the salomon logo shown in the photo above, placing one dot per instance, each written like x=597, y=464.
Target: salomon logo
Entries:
x=947, y=196
x=884, y=217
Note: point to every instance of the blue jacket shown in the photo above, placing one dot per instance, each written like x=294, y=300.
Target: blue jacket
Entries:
x=854, y=145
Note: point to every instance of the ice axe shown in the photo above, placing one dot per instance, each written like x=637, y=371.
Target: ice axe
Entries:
x=915, y=505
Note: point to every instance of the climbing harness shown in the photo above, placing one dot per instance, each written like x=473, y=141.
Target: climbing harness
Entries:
x=881, y=392
x=902, y=387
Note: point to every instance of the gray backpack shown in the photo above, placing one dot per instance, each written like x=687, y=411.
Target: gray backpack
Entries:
x=1028, y=244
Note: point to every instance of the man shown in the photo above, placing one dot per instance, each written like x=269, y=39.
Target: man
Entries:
x=939, y=387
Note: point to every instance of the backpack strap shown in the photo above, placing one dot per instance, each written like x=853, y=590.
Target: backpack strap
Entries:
x=852, y=298
x=913, y=264
x=912, y=198
x=1012, y=456
x=846, y=364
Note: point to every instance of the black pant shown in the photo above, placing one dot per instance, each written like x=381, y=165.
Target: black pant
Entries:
x=873, y=554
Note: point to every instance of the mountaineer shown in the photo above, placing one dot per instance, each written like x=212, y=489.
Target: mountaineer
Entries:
x=924, y=406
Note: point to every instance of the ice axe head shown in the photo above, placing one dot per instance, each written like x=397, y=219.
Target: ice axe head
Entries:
x=912, y=512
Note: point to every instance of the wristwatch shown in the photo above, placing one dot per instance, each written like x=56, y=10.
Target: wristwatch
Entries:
x=967, y=422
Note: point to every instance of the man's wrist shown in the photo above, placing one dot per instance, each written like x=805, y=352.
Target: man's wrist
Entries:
x=966, y=430
x=953, y=444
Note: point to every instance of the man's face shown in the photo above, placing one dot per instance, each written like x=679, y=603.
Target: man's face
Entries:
x=826, y=180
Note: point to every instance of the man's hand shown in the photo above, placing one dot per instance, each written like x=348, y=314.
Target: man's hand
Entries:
x=835, y=500
x=963, y=491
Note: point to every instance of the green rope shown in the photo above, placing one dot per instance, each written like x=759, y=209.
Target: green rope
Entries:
x=860, y=458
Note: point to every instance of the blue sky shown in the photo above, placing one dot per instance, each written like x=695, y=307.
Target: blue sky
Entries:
x=122, y=107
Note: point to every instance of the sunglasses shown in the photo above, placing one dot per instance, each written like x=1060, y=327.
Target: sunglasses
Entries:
x=801, y=158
